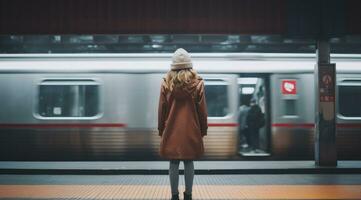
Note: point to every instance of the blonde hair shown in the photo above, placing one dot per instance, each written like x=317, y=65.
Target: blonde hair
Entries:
x=179, y=78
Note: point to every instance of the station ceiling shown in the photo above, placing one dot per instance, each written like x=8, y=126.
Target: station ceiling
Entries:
x=290, y=18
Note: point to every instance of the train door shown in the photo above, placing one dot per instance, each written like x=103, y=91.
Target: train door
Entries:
x=253, y=116
x=221, y=141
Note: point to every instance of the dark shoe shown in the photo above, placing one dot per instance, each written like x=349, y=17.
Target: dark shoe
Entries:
x=175, y=197
x=187, y=196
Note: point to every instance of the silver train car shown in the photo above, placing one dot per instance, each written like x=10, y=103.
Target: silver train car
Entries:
x=104, y=106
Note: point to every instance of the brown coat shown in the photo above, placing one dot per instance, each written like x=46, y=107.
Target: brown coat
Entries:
x=182, y=121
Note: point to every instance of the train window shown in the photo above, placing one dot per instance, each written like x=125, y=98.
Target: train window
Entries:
x=348, y=95
x=216, y=97
x=290, y=107
x=68, y=99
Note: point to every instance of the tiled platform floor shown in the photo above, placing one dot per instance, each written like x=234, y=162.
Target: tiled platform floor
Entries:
x=217, y=187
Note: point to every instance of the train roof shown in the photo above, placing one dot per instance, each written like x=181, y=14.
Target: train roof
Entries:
x=159, y=62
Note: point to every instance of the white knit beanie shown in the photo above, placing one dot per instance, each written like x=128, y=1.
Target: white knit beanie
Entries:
x=181, y=60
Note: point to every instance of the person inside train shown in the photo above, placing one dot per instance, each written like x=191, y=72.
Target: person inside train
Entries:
x=182, y=120
x=255, y=120
x=243, y=128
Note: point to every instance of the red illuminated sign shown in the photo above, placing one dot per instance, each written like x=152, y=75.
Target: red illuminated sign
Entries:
x=289, y=87
x=326, y=84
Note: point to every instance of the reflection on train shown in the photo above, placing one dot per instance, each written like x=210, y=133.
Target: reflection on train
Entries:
x=91, y=107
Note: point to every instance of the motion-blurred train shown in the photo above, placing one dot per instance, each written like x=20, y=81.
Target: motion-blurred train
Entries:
x=104, y=106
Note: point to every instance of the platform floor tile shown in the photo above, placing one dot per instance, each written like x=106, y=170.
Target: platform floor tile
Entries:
x=156, y=187
x=162, y=192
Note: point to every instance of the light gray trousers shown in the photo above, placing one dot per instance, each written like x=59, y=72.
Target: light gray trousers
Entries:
x=174, y=175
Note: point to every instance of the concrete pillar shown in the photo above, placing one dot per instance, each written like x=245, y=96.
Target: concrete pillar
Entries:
x=325, y=130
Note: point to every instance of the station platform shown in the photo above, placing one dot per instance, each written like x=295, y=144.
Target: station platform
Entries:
x=161, y=167
x=156, y=187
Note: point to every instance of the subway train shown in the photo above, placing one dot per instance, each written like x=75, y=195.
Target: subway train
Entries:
x=81, y=107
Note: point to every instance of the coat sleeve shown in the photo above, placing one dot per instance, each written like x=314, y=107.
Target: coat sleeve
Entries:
x=162, y=110
x=202, y=109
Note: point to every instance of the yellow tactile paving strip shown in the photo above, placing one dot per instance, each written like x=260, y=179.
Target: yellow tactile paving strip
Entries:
x=199, y=191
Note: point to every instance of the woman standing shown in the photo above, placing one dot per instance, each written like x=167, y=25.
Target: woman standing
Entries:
x=182, y=120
